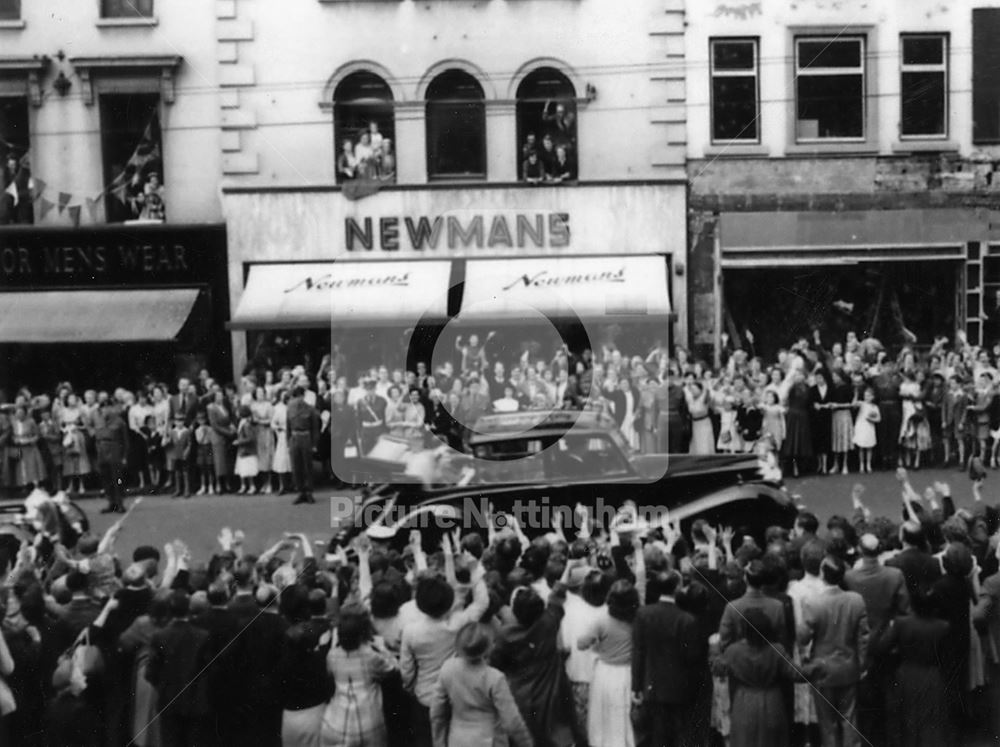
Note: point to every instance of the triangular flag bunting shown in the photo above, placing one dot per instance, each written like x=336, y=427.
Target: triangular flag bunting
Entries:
x=39, y=188
x=44, y=207
x=360, y=188
x=64, y=199
x=74, y=215
x=91, y=208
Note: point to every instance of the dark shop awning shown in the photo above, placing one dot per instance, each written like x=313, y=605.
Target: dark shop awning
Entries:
x=148, y=315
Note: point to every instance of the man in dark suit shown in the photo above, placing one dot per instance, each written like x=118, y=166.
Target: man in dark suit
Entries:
x=731, y=629
x=303, y=434
x=111, y=444
x=884, y=591
x=671, y=417
x=666, y=649
x=179, y=655
x=78, y=614
x=184, y=402
x=370, y=417
x=257, y=657
x=243, y=606
x=920, y=569
x=221, y=625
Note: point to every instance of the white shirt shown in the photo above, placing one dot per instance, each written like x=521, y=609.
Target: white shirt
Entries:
x=578, y=619
x=355, y=395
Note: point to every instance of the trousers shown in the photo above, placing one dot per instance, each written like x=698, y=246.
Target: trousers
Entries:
x=111, y=475
x=300, y=449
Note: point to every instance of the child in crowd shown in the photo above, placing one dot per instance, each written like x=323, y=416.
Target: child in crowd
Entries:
x=154, y=451
x=205, y=458
x=247, y=467
x=76, y=463
x=774, y=418
x=865, y=433
x=177, y=443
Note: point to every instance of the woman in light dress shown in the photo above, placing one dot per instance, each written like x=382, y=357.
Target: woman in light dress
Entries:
x=773, y=422
x=702, y=437
x=281, y=462
x=730, y=439
x=263, y=412
x=865, y=434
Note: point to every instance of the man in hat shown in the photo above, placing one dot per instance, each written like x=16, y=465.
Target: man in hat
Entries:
x=303, y=434
x=370, y=417
x=111, y=444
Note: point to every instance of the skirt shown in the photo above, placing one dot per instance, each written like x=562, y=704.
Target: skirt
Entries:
x=720, y=705
x=75, y=458
x=302, y=728
x=247, y=466
x=282, y=461
x=265, y=447
x=865, y=434
x=609, y=722
x=29, y=468
x=842, y=439
x=204, y=458
x=798, y=436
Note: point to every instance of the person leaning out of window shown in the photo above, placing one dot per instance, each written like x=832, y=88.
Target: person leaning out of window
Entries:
x=562, y=168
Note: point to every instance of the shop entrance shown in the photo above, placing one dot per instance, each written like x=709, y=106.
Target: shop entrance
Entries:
x=896, y=302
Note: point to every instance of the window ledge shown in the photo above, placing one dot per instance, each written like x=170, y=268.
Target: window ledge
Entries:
x=117, y=23
x=831, y=149
x=736, y=150
x=925, y=146
x=12, y=25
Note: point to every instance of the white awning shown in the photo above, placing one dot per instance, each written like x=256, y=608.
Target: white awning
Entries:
x=566, y=287
x=321, y=294
x=94, y=315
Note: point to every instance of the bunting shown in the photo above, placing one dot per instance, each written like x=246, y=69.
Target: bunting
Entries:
x=39, y=188
x=64, y=200
x=44, y=208
x=359, y=188
x=74, y=215
x=91, y=208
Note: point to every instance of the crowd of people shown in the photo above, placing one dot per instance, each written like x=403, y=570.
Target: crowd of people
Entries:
x=870, y=631
x=551, y=159
x=16, y=185
x=371, y=157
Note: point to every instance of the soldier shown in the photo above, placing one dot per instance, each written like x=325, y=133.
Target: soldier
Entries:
x=111, y=443
x=303, y=434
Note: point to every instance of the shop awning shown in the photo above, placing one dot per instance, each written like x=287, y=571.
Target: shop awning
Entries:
x=319, y=294
x=145, y=315
x=566, y=287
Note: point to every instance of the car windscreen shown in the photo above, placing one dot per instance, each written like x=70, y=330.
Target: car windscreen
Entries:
x=538, y=458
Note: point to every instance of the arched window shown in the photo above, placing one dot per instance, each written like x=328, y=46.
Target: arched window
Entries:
x=546, y=126
x=456, y=127
x=364, y=128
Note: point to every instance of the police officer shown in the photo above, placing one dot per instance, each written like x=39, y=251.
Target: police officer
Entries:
x=111, y=444
x=303, y=434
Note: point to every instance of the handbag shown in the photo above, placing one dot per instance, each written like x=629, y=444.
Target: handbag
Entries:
x=78, y=663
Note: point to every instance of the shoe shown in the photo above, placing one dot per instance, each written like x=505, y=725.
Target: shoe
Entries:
x=109, y=510
x=201, y=491
x=268, y=490
x=310, y=499
x=120, y=510
x=241, y=491
x=187, y=495
x=300, y=500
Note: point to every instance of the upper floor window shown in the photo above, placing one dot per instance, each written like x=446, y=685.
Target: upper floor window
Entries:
x=829, y=88
x=546, y=127
x=126, y=8
x=16, y=198
x=924, y=85
x=10, y=10
x=985, y=75
x=735, y=90
x=364, y=128
x=456, y=127
x=132, y=151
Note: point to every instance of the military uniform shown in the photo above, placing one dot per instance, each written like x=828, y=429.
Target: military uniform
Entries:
x=303, y=434
x=111, y=444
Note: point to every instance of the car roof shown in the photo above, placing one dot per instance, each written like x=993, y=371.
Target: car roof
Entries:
x=539, y=422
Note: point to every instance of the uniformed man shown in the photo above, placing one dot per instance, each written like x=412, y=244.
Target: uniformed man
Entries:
x=111, y=445
x=303, y=434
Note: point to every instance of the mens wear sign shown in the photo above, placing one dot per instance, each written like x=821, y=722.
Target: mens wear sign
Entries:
x=318, y=294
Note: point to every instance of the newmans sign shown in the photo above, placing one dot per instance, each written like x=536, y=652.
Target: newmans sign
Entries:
x=457, y=231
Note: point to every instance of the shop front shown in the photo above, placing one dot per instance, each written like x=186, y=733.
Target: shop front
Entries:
x=902, y=276
x=106, y=306
x=410, y=275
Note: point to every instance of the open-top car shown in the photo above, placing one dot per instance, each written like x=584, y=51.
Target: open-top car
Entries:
x=531, y=464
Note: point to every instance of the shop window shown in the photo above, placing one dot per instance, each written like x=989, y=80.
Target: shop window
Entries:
x=924, y=85
x=133, y=157
x=10, y=10
x=126, y=8
x=985, y=75
x=364, y=128
x=830, y=88
x=15, y=167
x=735, y=93
x=456, y=127
x=546, y=127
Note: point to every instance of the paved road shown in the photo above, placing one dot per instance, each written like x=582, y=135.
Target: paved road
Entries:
x=264, y=518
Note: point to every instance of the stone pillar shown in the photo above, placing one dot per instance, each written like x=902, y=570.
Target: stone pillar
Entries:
x=501, y=141
x=411, y=142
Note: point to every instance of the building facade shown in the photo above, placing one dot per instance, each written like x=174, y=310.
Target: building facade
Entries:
x=843, y=171
x=112, y=248
x=438, y=147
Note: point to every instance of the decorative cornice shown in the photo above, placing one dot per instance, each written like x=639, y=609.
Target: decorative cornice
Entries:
x=165, y=65
x=31, y=68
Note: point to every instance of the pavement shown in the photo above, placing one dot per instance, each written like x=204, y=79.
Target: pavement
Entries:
x=265, y=518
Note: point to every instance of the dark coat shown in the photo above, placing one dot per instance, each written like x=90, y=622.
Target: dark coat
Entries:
x=178, y=654
x=666, y=653
x=920, y=570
